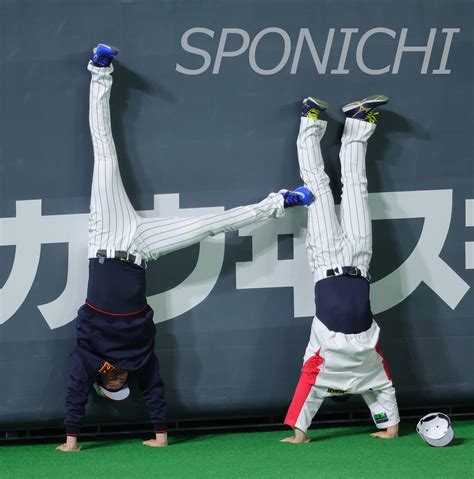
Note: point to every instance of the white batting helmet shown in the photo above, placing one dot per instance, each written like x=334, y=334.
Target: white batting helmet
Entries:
x=435, y=429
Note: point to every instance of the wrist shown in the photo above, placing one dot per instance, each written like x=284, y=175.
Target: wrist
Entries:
x=71, y=441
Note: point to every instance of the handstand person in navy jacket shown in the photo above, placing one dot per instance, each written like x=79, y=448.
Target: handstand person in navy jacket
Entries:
x=114, y=328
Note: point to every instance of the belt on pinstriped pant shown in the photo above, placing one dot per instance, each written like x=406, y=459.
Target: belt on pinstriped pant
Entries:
x=122, y=255
x=344, y=270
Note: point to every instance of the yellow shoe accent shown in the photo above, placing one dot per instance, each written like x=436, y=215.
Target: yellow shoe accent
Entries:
x=313, y=113
x=372, y=116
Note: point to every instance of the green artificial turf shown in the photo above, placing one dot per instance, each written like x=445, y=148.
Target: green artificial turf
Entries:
x=344, y=452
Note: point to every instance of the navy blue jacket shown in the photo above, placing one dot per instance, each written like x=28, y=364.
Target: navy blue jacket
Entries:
x=115, y=326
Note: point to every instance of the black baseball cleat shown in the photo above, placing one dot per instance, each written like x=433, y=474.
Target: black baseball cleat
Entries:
x=103, y=55
x=312, y=107
x=364, y=109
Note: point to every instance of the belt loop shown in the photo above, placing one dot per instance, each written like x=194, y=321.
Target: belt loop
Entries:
x=140, y=261
x=100, y=257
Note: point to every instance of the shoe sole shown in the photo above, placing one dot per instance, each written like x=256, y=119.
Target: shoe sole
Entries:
x=321, y=105
x=114, y=50
x=369, y=102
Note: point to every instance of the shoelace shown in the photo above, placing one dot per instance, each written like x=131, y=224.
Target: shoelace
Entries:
x=372, y=116
x=313, y=113
x=293, y=199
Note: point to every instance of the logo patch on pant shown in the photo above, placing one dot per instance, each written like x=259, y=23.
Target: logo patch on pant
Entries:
x=381, y=417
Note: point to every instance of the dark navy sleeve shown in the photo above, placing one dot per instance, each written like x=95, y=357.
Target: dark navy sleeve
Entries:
x=81, y=377
x=153, y=390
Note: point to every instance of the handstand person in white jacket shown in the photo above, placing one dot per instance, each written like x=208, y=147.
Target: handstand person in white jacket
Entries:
x=343, y=355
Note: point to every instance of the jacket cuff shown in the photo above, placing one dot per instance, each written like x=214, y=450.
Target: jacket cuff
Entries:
x=160, y=427
x=73, y=430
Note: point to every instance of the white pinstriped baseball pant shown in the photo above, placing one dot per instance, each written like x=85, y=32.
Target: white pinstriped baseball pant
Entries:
x=332, y=243
x=336, y=363
x=114, y=225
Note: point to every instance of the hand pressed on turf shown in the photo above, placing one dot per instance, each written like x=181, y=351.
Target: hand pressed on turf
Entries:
x=70, y=445
x=161, y=440
x=299, y=438
x=389, y=433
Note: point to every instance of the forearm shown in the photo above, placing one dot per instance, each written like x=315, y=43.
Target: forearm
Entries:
x=157, y=409
x=79, y=383
x=75, y=409
x=153, y=390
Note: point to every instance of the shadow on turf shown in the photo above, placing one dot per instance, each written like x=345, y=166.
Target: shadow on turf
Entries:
x=458, y=441
x=320, y=435
x=173, y=441
x=405, y=430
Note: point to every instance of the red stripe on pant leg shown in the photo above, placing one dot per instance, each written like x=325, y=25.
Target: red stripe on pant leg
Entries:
x=385, y=365
x=307, y=379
